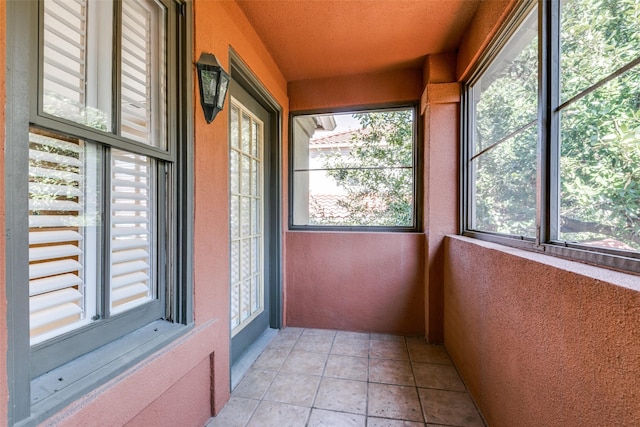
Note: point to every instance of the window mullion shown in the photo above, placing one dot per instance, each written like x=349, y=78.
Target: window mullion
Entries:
x=104, y=290
x=164, y=268
x=116, y=68
x=548, y=187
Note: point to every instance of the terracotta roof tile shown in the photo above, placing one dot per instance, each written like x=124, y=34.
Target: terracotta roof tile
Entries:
x=334, y=139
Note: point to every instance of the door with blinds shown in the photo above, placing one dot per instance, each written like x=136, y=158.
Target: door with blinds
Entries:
x=249, y=262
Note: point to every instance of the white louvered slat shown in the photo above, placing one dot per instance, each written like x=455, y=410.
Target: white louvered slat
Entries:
x=129, y=219
x=64, y=70
x=73, y=39
x=138, y=107
x=48, y=284
x=136, y=290
x=52, y=268
x=68, y=7
x=130, y=207
x=129, y=255
x=55, y=143
x=132, y=302
x=52, y=252
x=129, y=183
x=121, y=268
x=54, y=190
x=54, y=174
x=136, y=72
x=133, y=126
x=46, y=237
x=128, y=196
x=134, y=111
x=130, y=231
x=55, y=47
x=128, y=160
x=55, y=316
x=53, y=205
x=54, y=158
x=132, y=172
x=138, y=89
x=38, y=221
x=121, y=244
x=128, y=279
x=53, y=299
x=56, y=292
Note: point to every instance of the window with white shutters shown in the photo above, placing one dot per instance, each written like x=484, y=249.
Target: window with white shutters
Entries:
x=94, y=201
x=62, y=223
x=98, y=236
x=131, y=231
x=142, y=73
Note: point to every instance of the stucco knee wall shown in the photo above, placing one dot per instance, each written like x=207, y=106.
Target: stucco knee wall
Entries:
x=540, y=340
x=369, y=282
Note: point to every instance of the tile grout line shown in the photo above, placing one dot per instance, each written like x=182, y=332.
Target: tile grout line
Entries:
x=415, y=382
x=278, y=370
x=413, y=363
x=366, y=405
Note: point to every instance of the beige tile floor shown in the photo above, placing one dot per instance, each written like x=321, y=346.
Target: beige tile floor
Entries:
x=314, y=377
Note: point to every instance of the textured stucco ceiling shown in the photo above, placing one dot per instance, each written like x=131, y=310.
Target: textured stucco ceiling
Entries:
x=312, y=39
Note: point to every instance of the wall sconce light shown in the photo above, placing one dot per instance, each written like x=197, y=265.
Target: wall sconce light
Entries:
x=214, y=82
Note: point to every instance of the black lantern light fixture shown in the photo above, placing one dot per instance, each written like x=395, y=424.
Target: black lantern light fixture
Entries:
x=214, y=82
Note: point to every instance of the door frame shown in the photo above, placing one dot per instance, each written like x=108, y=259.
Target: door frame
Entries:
x=243, y=75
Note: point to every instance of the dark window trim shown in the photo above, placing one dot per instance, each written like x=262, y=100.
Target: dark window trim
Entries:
x=242, y=74
x=31, y=401
x=111, y=139
x=52, y=353
x=417, y=168
x=547, y=168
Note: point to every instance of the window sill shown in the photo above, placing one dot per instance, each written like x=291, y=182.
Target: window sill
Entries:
x=603, y=274
x=352, y=229
x=54, y=390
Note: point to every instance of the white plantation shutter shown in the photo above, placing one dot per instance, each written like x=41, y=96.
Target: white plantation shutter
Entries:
x=79, y=272
x=142, y=73
x=65, y=58
x=131, y=231
x=56, y=188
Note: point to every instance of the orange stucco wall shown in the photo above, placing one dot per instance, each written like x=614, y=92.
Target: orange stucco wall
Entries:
x=356, y=90
x=370, y=282
x=542, y=341
x=490, y=15
x=441, y=205
x=355, y=281
x=188, y=381
x=440, y=107
x=537, y=339
x=211, y=245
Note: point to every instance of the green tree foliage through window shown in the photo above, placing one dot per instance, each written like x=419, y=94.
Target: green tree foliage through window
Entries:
x=598, y=187
x=600, y=132
x=376, y=173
